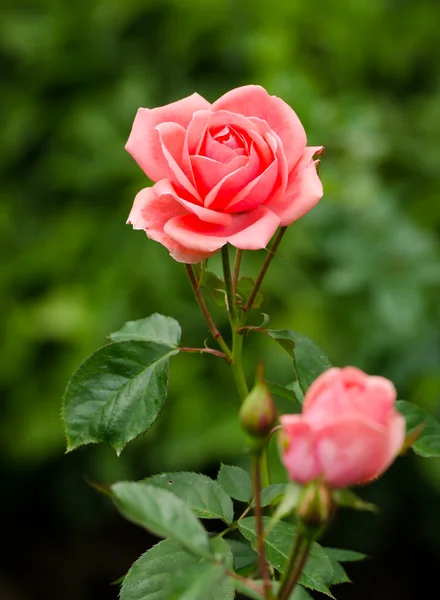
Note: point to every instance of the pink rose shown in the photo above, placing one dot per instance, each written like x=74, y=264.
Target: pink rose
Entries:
x=232, y=171
x=349, y=431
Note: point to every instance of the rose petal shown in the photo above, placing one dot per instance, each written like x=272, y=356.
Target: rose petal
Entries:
x=208, y=173
x=254, y=101
x=151, y=212
x=165, y=187
x=304, y=190
x=256, y=191
x=172, y=138
x=299, y=457
x=143, y=143
x=235, y=181
x=250, y=231
x=351, y=451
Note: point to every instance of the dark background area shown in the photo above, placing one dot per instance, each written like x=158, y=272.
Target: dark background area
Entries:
x=360, y=273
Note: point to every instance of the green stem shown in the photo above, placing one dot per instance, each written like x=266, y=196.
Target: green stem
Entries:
x=237, y=339
x=270, y=256
x=204, y=309
x=293, y=556
x=232, y=309
x=288, y=588
x=236, y=274
x=256, y=485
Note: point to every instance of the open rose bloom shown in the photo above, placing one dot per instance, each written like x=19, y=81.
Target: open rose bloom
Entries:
x=232, y=171
x=349, y=431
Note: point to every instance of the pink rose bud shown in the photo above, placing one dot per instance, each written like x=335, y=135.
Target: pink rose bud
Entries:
x=257, y=413
x=232, y=171
x=348, y=433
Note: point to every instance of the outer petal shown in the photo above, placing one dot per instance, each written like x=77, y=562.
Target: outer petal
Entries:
x=299, y=457
x=325, y=380
x=172, y=140
x=151, y=212
x=352, y=451
x=249, y=231
x=304, y=190
x=165, y=188
x=254, y=101
x=143, y=143
x=396, y=437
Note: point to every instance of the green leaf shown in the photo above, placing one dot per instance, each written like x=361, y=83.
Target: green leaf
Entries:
x=214, y=288
x=340, y=573
x=155, y=328
x=342, y=555
x=309, y=361
x=116, y=394
x=150, y=577
x=196, y=582
x=236, y=482
x=428, y=442
x=244, y=555
x=204, y=496
x=287, y=505
x=251, y=588
x=161, y=512
x=318, y=572
x=272, y=494
x=281, y=390
x=348, y=499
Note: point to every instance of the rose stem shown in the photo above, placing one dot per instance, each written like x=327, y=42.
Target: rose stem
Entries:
x=204, y=309
x=256, y=485
x=289, y=586
x=270, y=256
x=293, y=556
x=236, y=274
x=237, y=339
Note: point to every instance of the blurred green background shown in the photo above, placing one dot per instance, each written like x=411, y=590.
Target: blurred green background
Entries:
x=360, y=273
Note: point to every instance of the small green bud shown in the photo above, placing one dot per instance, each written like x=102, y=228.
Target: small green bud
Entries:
x=315, y=505
x=257, y=414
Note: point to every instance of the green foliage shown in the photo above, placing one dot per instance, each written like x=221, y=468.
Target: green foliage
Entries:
x=155, y=328
x=348, y=499
x=427, y=444
x=116, y=394
x=236, y=482
x=318, y=573
x=168, y=571
x=204, y=496
x=309, y=361
x=161, y=512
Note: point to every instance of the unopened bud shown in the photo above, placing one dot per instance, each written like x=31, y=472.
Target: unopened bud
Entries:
x=257, y=414
x=315, y=504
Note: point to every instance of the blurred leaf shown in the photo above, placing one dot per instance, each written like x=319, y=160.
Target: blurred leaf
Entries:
x=342, y=555
x=244, y=555
x=318, y=572
x=286, y=506
x=348, y=499
x=204, y=496
x=309, y=361
x=272, y=494
x=161, y=512
x=116, y=394
x=428, y=442
x=281, y=390
x=236, y=482
x=156, y=328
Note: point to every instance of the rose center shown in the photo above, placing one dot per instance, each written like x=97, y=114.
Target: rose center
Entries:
x=228, y=137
